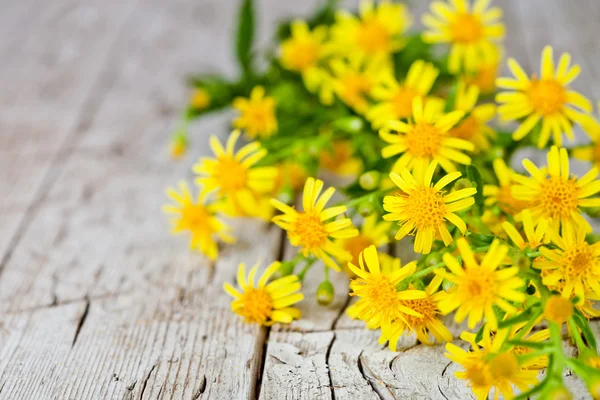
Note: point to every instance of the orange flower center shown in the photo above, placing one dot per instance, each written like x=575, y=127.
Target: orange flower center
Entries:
x=578, y=261
x=504, y=366
x=478, y=373
x=333, y=160
x=547, y=96
x=558, y=197
x=423, y=140
x=195, y=217
x=232, y=175
x=426, y=207
x=467, y=129
x=508, y=203
x=354, y=87
x=479, y=285
x=308, y=231
x=466, y=28
x=485, y=78
x=381, y=293
x=256, y=305
x=373, y=37
x=300, y=54
x=426, y=307
x=402, y=102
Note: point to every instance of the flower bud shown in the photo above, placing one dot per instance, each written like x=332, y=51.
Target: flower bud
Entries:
x=366, y=208
x=463, y=183
x=522, y=261
x=286, y=268
x=348, y=124
x=369, y=180
x=325, y=293
x=179, y=145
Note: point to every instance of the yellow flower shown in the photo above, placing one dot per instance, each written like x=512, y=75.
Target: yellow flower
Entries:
x=340, y=159
x=487, y=369
x=574, y=264
x=354, y=77
x=473, y=128
x=179, y=145
x=428, y=323
x=424, y=209
x=200, y=99
x=484, y=77
x=558, y=309
x=478, y=287
x=309, y=228
x=395, y=100
x=235, y=177
x=590, y=152
x=198, y=218
x=373, y=232
x=378, y=31
x=424, y=139
x=303, y=50
x=291, y=174
x=258, y=114
x=547, y=99
x=554, y=195
x=265, y=303
x=534, y=232
x=501, y=195
x=473, y=32
x=380, y=304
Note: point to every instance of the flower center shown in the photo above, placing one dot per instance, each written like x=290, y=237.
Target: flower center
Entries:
x=466, y=129
x=426, y=207
x=479, y=285
x=423, y=140
x=558, y=197
x=508, y=203
x=478, y=373
x=558, y=309
x=546, y=96
x=382, y=293
x=357, y=244
x=402, y=102
x=195, y=217
x=466, y=28
x=300, y=54
x=578, y=261
x=354, y=87
x=485, y=78
x=308, y=232
x=426, y=307
x=332, y=160
x=258, y=115
x=504, y=366
x=373, y=37
x=232, y=175
x=257, y=305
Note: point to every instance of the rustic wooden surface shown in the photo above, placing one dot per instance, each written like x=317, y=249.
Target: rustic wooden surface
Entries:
x=96, y=301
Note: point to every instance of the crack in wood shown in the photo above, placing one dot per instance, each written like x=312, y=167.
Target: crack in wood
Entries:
x=201, y=389
x=365, y=377
x=81, y=321
x=327, y=355
x=147, y=378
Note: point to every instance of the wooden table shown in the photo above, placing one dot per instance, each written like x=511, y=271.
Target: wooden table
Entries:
x=96, y=300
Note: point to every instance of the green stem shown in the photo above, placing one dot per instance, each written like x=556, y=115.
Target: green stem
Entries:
x=309, y=263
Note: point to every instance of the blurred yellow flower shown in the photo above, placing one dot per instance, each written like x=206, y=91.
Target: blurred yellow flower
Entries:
x=553, y=194
x=535, y=234
x=501, y=195
x=473, y=31
x=235, y=176
x=547, y=99
x=478, y=287
x=265, y=303
x=197, y=218
x=373, y=232
x=484, y=76
x=395, y=100
x=340, y=159
x=425, y=139
x=309, y=228
x=378, y=31
x=474, y=127
x=257, y=117
x=425, y=209
x=199, y=99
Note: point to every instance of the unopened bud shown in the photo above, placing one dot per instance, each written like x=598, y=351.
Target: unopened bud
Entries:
x=521, y=261
x=433, y=259
x=369, y=180
x=349, y=124
x=463, y=183
x=286, y=268
x=366, y=208
x=179, y=145
x=325, y=293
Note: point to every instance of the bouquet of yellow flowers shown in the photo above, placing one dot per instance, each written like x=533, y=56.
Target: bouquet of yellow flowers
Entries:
x=407, y=118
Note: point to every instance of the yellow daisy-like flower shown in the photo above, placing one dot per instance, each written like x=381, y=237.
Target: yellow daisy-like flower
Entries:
x=377, y=32
x=354, y=77
x=548, y=100
x=395, y=100
x=258, y=114
x=553, y=194
x=265, y=303
x=484, y=76
x=474, y=127
x=424, y=139
x=535, y=233
x=428, y=323
x=340, y=159
x=473, y=31
x=478, y=287
x=198, y=218
x=373, y=232
x=235, y=177
x=310, y=230
x=425, y=209
x=380, y=304
x=574, y=264
x=501, y=195
x=200, y=99
x=487, y=369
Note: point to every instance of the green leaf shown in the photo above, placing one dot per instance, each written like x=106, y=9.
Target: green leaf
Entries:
x=588, y=335
x=474, y=176
x=245, y=37
x=481, y=239
x=479, y=334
